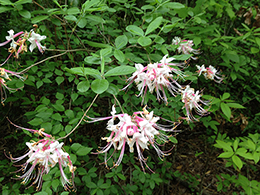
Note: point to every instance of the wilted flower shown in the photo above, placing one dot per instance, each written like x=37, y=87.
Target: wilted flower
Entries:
x=191, y=100
x=156, y=77
x=185, y=46
x=140, y=130
x=35, y=39
x=210, y=73
x=44, y=154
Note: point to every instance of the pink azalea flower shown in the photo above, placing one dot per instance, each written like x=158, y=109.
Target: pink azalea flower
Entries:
x=210, y=73
x=35, y=39
x=140, y=130
x=44, y=154
x=157, y=76
x=191, y=100
x=185, y=46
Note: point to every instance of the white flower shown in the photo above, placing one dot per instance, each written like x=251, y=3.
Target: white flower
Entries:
x=210, y=73
x=35, y=40
x=185, y=46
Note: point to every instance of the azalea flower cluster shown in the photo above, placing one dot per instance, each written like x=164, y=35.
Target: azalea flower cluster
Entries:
x=210, y=73
x=191, y=100
x=43, y=155
x=140, y=130
x=157, y=76
x=5, y=75
x=185, y=46
x=19, y=46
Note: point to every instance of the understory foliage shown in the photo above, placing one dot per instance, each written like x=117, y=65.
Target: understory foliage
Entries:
x=96, y=94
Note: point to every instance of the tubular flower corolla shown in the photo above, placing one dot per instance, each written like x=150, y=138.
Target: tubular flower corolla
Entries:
x=156, y=77
x=191, y=100
x=185, y=46
x=140, y=130
x=210, y=73
x=42, y=156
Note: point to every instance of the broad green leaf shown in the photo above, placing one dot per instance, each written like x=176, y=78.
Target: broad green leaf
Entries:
x=73, y=10
x=35, y=122
x=59, y=80
x=182, y=57
x=251, y=145
x=82, y=151
x=226, y=155
x=83, y=86
x=254, y=50
x=235, y=105
x=135, y=30
x=26, y=14
x=121, y=41
x=238, y=162
x=39, y=18
x=112, y=89
x=57, y=117
x=105, y=52
x=88, y=4
x=119, y=55
x=120, y=70
x=59, y=107
x=257, y=40
x=5, y=2
x=225, y=109
x=5, y=9
x=83, y=71
x=154, y=25
x=225, y=96
x=69, y=113
x=235, y=145
x=75, y=146
x=71, y=17
x=55, y=183
x=82, y=23
x=174, y=5
x=224, y=145
x=144, y=41
x=99, y=85
x=95, y=19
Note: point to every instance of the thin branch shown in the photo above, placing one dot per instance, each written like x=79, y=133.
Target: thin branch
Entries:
x=80, y=119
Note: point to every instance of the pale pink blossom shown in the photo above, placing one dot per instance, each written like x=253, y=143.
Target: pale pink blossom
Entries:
x=210, y=73
x=185, y=46
x=44, y=154
x=140, y=130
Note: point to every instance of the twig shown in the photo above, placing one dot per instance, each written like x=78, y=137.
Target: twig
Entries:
x=79, y=120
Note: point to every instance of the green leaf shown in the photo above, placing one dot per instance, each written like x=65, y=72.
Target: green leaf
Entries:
x=225, y=96
x=83, y=71
x=254, y=50
x=99, y=85
x=26, y=14
x=119, y=55
x=144, y=41
x=5, y=2
x=174, y=5
x=55, y=183
x=235, y=145
x=182, y=57
x=39, y=84
x=82, y=23
x=35, y=122
x=235, y=105
x=225, y=109
x=59, y=80
x=112, y=89
x=95, y=19
x=73, y=10
x=75, y=146
x=71, y=17
x=173, y=139
x=226, y=155
x=57, y=117
x=59, y=107
x=120, y=70
x=39, y=18
x=69, y=113
x=83, y=86
x=135, y=30
x=95, y=44
x=82, y=151
x=154, y=25
x=105, y=52
x=224, y=145
x=5, y=9
x=121, y=41
x=88, y=4
x=20, y=2
x=257, y=40
x=238, y=162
